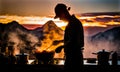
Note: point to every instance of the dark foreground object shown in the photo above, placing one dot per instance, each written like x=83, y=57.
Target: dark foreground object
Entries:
x=55, y=68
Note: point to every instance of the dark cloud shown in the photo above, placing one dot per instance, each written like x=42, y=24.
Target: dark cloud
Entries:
x=46, y=7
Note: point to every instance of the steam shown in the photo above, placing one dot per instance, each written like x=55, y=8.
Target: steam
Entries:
x=22, y=40
x=108, y=41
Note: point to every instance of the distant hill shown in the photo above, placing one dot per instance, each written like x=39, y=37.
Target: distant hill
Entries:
x=49, y=29
x=109, y=40
x=23, y=39
x=91, y=30
x=44, y=37
x=49, y=33
x=14, y=34
x=53, y=30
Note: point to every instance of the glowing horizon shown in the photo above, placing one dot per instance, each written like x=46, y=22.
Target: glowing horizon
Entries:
x=86, y=21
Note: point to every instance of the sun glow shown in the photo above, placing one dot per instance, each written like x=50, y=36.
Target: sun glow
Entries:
x=94, y=24
x=86, y=20
x=30, y=20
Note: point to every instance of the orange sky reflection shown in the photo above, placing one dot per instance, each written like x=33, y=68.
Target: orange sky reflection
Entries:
x=86, y=21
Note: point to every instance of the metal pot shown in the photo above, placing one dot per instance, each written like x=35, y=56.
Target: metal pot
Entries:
x=22, y=58
x=44, y=57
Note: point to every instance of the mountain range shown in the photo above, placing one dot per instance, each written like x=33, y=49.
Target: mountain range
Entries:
x=24, y=40
x=44, y=38
x=108, y=40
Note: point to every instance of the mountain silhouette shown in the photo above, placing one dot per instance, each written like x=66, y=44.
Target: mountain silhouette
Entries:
x=14, y=34
x=109, y=39
x=53, y=30
x=49, y=33
x=49, y=28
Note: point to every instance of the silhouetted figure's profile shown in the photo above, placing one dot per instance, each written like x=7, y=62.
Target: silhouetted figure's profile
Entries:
x=73, y=39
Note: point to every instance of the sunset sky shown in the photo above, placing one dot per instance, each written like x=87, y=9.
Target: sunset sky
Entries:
x=41, y=11
x=35, y=13
x=46, y=7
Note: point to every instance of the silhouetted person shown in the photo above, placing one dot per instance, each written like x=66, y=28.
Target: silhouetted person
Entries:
x=73, y=39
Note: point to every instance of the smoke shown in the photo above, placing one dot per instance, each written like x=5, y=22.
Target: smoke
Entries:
x=22, y=41
x=107, y=40
x=88, y=48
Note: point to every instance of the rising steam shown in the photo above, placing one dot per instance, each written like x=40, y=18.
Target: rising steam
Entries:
x=20, y=38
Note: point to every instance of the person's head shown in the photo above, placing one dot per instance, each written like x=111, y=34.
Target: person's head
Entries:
x=61, y=12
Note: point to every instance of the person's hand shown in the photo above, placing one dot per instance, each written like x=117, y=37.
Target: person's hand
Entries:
x=58, y=49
